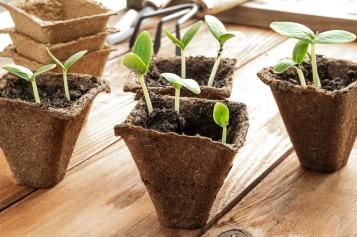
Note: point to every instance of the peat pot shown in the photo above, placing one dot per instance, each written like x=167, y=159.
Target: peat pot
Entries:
x=180, y=158
x=321, y=123
x=38, y=139
x=198, y=68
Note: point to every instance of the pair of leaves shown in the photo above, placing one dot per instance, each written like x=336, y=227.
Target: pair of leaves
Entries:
x=26, y=73
x=303, y=33
x=177, y=82
x=218, y=30
x=140, y=57
x=69, y=62
x=221, y=114
x=299, y=54
x=187, y=37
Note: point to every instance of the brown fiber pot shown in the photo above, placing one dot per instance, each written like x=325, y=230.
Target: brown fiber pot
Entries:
x=92, y=63
x=37, y=140
x=37, y=51
x=184, y=172
x=198, y=68
x=321, y=124
x=55, y=21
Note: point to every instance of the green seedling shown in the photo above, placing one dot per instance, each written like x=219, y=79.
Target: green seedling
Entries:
x=65, y=67
x=221, y=118
x=178, y=82
x=299, y=54
x=139, y=61
x=303, y=33
x=219, y=32
x=28, y=75
x=182, y=44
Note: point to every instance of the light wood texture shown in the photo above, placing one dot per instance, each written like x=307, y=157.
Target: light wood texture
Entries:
x=292, y=201
x=320, y=15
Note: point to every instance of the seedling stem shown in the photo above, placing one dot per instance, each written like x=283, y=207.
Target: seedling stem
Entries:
x=65, y=81
x=301, y=76
x=315, y=74
x=224, y=134
x=183, y=64
x=215, y=66
x=177, y=99
x=146, y=92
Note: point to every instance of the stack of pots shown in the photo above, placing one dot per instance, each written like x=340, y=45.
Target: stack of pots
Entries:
x=63, y=26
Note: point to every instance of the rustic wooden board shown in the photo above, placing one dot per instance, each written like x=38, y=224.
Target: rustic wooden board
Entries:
x=292, y=201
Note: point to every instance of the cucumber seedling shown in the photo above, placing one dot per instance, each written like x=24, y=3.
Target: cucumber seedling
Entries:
x=138, y=60
x=178, y=82
x=28, y=75
x=221, y=118
x=303, y=33
x=220, y=33
x=299, y=54
x=182, y=44
x=65, y=67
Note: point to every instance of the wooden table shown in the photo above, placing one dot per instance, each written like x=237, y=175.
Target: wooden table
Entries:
x=265, y=194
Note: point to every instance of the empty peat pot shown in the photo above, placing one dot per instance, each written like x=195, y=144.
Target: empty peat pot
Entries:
x=55, y=21
x=180, y=158
x=38, y=139
x=198, y=68
x=321, y=123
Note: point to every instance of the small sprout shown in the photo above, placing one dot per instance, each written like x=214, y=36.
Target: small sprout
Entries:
x=182, y=44
x=221, y=118
x=303, y=33
x=65, y=67
x=299, y=54
x=219, y=32
x=178, y=82
x=28, y=75
x=139, y=61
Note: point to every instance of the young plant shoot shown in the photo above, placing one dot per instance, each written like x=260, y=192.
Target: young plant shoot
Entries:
x=182, y=44
x=299, y=54
x=139, y=61
x=303, y=33
x=28, y=75
x=221, y=118
x=178, y=82
x=65, y=67
x=219, y=32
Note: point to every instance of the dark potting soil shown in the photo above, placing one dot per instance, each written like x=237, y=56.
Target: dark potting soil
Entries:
x=332, y=75
x=195, y=118
x=50, y=89
x=197, y=68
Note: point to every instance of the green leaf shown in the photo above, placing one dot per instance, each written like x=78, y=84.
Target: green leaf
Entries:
x=174, y=40
x=19, y=71
x=293, y=30
x=143, y=48
x=225, y=37
x=177, y=82
x=300, y=51
x=334, y=37
x=221, y=114
x=215, y=26
x=134, y=63
x=190, y=33
x=55, y=59
x=74, y=58
x=43, y=69
x=284, y=65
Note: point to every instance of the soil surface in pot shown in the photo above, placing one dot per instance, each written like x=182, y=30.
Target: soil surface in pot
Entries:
x=198, y=68
x=197, y=121
x=333, y=75
x=51, y=90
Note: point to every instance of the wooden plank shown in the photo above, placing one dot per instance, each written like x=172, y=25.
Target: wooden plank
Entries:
x=320, y=15
x=292, y=201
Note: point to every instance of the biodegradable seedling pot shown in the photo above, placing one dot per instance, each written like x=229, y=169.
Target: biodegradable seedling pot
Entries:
x=37, y=51
x=321, y=122
x=38, y=139
x=92, y=63
x=198, y=68
x=182, y=171
x=55, y=21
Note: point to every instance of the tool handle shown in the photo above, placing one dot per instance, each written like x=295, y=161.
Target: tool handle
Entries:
x=216, y=6
x=156, y=3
